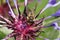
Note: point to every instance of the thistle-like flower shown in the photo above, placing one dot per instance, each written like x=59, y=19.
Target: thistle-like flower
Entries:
x=24, y=25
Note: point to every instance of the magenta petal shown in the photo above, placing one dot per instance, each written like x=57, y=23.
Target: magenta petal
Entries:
x=6, y=20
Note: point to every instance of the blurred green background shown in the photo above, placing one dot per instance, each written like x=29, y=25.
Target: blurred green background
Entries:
x=49, y=32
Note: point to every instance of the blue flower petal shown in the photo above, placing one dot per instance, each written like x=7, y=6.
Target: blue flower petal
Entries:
x=57, y=14
x=55, y=25
x=46, y=39
x=57, y=39
x=52, y=2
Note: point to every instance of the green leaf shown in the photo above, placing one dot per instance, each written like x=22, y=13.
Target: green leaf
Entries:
x=20, y=0
x=2, y=35
x=50, y=33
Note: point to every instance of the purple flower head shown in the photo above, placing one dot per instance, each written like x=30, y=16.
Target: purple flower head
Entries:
x=57, y=14
x=24, y=25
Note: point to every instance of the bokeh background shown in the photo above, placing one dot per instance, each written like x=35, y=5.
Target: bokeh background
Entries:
x=49, y=32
